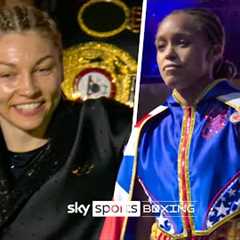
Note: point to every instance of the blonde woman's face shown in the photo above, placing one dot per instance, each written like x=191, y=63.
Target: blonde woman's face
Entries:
x=30, y=77
x=182, y=52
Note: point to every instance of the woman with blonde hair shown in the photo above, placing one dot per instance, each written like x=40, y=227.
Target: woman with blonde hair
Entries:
x=56, y=156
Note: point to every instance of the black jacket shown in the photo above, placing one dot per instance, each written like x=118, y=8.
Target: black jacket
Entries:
x=79, y=165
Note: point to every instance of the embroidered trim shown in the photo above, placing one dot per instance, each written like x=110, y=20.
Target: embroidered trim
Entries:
x=183, y=166
x=207, y=232
x=182, y=101
x=202, y=233
x=231, y=99
x=227, y=203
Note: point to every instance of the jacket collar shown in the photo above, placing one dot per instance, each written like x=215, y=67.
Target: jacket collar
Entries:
x=213, y=90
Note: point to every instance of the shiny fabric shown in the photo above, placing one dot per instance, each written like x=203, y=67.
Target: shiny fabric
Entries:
x=188, y=156
x=79, y=165
x=213, y=161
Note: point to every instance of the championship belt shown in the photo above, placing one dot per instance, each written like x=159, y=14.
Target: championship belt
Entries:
x=94, y=69
x=107, y=18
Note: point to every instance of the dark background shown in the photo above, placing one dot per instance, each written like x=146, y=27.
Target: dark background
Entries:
x=227, y=10
x=152, y=89
x=65, y=13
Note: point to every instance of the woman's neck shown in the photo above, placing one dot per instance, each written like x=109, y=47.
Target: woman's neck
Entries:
x=18, y=140
x=190, y=95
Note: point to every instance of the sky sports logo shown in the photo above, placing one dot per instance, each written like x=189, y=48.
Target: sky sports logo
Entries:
x=132, y=208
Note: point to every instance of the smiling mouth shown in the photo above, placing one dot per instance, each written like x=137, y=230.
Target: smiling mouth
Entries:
x=28, y=106
x=29, y=109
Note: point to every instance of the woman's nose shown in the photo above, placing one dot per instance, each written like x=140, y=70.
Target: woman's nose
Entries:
x=170, y=53
x=27, y=86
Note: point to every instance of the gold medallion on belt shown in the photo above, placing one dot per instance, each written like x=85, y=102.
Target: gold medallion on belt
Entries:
x=96, y=69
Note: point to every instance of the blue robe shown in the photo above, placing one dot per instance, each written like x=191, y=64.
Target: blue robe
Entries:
x=186, y=161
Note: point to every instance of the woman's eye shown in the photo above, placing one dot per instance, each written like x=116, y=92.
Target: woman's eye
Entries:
x=160, y=46
x=183, y=42
x=6, y=75
x=43, y=70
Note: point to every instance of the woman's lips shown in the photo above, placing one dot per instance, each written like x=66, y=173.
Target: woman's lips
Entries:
x=171, y=67
x=29, y=109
